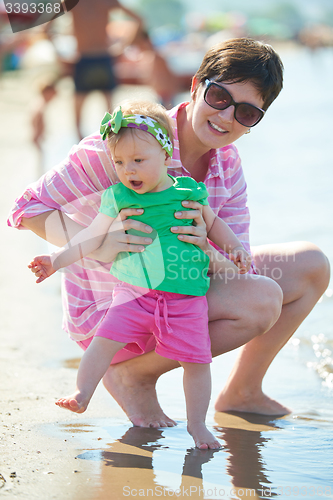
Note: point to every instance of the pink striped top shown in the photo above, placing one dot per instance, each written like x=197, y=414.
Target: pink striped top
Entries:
x=75, y=187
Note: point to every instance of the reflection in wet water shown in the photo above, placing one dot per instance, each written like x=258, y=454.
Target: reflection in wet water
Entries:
x=143, y=438
x=195, y=459
x=157, y=455
x=259, y=457
x=117, y=459
x=137, y=437
x=141, y=459
x=245, y=438
x=245, y=464
x=144, y=459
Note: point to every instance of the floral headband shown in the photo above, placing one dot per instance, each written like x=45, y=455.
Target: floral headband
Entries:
x=116, y=121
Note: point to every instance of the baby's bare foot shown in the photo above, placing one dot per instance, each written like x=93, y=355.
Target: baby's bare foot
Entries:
x=76, y=402
x=204, y=440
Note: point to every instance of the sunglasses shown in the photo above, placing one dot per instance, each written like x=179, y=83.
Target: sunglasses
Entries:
x=218, y=97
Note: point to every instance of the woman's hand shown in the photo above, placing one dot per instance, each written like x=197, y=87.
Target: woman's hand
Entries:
x=117, y=240
x=196, y=233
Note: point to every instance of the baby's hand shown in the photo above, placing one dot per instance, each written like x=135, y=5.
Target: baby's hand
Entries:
x=241, y=258
x=42, y=267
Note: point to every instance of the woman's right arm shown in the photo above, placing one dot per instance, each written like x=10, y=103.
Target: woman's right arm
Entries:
x=56, y=228
x=74, y=188
x=83, y=243
x=53, y=226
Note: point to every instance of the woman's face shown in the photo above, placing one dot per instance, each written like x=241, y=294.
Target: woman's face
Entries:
x=216, y=129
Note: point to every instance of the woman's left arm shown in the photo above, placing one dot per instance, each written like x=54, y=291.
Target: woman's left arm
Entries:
x=207, y=223
x=221, y=234
x=197, y=235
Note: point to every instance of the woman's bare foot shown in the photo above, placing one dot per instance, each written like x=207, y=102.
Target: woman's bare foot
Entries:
x=204, y=440
x=250, y=402
x=76, y=402
x=136, y=397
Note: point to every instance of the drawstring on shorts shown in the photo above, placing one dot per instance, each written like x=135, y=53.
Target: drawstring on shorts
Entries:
x=161, y=300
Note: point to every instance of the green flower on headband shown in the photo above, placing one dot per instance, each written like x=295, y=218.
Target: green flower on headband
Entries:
x=111, y=122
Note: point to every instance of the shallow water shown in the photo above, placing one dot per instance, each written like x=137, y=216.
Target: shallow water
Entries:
x=261, y=457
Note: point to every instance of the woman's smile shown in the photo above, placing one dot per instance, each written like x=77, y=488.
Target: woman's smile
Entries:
x=217, y=128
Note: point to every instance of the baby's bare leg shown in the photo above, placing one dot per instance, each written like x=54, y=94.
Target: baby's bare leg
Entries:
x=94, y=363
x=197, y=387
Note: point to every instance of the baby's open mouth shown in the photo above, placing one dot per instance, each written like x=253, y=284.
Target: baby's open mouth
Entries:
x=136, y=184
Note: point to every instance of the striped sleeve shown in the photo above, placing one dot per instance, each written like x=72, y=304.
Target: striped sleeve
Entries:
x=234, y=211
x=75, y=187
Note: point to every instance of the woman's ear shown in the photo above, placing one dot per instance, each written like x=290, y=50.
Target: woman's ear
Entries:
x=194, y=86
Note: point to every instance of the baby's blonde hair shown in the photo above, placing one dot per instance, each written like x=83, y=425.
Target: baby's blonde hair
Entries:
x=140, y=107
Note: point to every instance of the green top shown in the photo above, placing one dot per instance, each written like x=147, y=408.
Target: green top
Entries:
x=167, y=264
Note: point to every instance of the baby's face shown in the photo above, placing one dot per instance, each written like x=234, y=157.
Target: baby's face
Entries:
x=141, y=163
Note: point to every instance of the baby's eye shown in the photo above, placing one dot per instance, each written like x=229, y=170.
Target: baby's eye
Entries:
x=117, y=162
x=138, y=160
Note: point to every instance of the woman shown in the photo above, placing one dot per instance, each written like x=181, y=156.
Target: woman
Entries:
x=234, y=86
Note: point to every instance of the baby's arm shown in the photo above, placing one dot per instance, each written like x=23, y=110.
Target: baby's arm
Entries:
x=221, y=234
x=82, y=244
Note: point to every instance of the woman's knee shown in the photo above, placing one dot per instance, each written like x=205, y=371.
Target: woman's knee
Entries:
x=317, y=267
x=300, y=268
x=268, y=306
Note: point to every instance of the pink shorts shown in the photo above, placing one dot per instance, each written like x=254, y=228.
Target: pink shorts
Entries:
x=176, y=323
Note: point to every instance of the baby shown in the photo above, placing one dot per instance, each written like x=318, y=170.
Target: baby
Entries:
x=161, y=289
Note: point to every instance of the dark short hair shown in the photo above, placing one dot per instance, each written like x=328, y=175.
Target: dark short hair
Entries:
x=241, y=60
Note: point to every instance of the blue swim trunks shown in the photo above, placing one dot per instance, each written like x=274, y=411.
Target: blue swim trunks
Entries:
x=94, y=73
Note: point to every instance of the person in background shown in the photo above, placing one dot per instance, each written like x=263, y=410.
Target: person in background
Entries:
x=141, y=63
x=94, y=68
x=47, y=93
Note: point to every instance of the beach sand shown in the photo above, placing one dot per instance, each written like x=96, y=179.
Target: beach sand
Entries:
x=47, y=453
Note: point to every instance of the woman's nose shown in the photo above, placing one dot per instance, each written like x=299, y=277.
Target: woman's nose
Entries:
x=227, y=115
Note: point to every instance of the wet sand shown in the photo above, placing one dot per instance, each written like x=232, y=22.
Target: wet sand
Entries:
x=50, y=453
